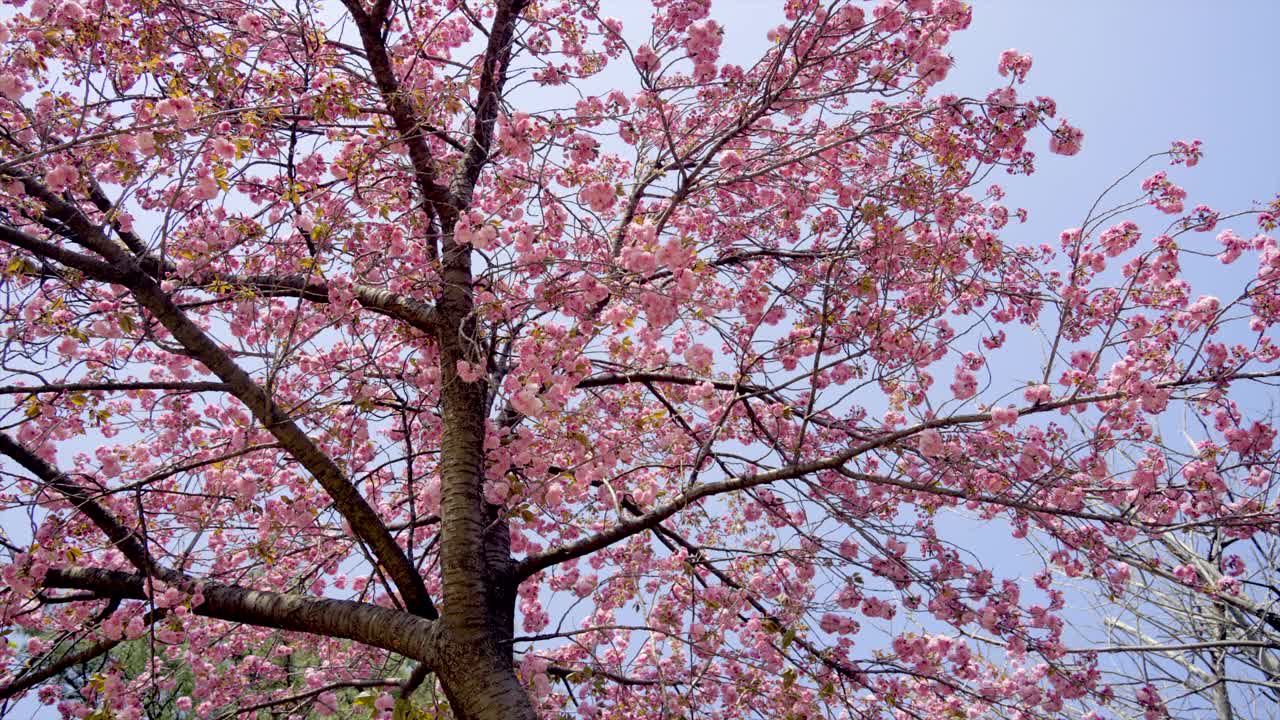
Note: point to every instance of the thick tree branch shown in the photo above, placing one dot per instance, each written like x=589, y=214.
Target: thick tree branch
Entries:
x=1180, y=647
x=174, y=386
x=437, y=198
x=416, y=678
x=26, y=681
x=648, y=377
x=92, y=267
x=493, y=77
x=590, y=671
x=52, y=669
x=651, y=519
x=307, y=695
x=357, y=511
x=395, y=305
x=395, y=630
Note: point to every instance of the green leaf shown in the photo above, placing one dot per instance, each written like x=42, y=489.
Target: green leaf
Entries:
x=365, y=699
x=788, y=637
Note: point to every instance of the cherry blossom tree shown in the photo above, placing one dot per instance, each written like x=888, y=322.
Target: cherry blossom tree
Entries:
x=384, y=356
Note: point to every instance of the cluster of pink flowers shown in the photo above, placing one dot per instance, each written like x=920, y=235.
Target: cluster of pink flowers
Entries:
x=1165, y=196
x=60, y=177
x=702, y=43
x=646, y=59
x=600, y=196
x=1016, y=64
x=1120, y=238
x=11, y=86
x=1202, y=219
x=181, y=109
x=1066, y=140
x=1186, y=152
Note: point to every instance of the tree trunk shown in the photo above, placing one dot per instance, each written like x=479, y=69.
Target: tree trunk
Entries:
x=475, y=658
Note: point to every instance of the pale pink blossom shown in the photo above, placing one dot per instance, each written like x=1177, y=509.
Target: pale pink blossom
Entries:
x=930, y=443
x=11, y=87
x=1066, y=140
x=61, y=177
x=1016, y=64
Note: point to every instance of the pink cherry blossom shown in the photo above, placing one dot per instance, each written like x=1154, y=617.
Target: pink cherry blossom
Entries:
x=646, y=59
x=1066, y=140
x=11, y=87
x=1004, y=415
x=930, y=443
x=251, y=24
x=965, y=385
x=1016, y=64
x=61, y=177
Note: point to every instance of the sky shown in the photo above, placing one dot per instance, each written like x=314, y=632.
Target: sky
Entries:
x=1133, y=74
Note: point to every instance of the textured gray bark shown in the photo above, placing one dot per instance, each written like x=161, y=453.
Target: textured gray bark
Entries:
x=475, y=665
x=394, y=630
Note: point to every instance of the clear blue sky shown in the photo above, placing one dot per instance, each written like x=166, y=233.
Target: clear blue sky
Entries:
x=1135, y=74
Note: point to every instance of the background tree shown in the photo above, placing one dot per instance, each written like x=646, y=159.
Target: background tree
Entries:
x=1206, y=627
x=340, y=339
